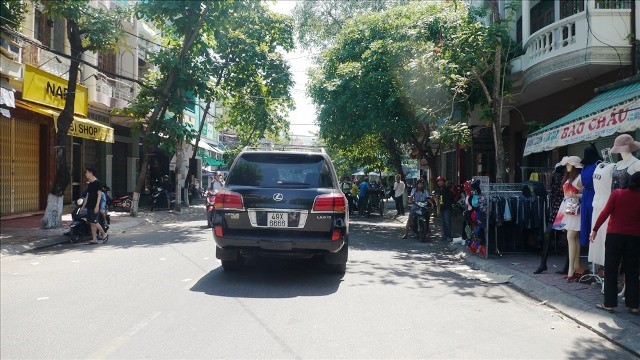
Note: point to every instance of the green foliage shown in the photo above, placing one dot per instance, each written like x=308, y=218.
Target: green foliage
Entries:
x=234, y=60
x=13, y=13
x=99, y=29
x=320, y=22
x=380, y=85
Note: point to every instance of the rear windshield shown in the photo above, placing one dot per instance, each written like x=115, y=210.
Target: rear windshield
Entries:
x=281, y=170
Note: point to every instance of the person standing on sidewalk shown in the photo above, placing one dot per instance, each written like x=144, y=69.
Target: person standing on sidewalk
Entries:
x=622, y=243
x=398, y=194
x=363, y=197
x=92, y=204
x=445, y=201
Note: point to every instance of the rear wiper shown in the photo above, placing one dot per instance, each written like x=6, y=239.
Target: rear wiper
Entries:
x=280, y=182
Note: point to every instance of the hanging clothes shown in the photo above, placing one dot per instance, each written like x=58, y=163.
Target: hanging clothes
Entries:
x=586, y=203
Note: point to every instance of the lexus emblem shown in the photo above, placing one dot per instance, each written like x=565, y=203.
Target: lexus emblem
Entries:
x=278, y=197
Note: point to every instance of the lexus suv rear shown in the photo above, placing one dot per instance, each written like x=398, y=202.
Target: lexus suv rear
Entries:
x=283, y=202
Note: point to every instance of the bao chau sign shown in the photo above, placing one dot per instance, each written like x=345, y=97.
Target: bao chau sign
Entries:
x=618, y=119
x=47, y=89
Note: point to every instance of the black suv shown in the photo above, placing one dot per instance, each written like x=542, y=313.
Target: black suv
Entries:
x=282, y=201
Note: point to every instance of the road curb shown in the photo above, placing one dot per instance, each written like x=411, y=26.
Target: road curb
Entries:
x=48, y=240
x=613, y=328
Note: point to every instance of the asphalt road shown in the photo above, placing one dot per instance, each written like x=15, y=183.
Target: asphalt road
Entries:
x=158, y=292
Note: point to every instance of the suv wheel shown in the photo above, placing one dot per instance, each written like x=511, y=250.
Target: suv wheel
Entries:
x=233, y=265
x=336, y=268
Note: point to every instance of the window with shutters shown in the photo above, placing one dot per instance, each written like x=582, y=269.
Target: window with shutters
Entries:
x=42, y=28
x=107, y=61
x=542, y=14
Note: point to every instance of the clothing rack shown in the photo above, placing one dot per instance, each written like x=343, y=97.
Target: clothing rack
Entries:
x=496, y=189
x=539, y=169
x=593, y=275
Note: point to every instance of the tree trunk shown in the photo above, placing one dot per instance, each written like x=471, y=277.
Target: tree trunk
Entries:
x=53, y=213
x=160, y=110
x=139, y=184
x=496, y=102
x=178, y=184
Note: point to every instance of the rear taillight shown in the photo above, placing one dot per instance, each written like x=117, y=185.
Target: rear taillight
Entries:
x=336, y=234
x=330, y=202
x=228, y=200
x=217, y=230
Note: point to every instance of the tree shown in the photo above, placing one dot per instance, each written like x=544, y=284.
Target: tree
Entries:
x=379, y=87
x=481, y=49
x=13, y=12
x=319, y=22
x=88, y=29
x=225, y=50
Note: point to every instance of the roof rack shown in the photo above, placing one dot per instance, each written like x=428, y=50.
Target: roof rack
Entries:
x=278, y=147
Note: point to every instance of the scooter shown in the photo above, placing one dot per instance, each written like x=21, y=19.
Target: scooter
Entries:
x=80, y=227
x=209, y=203
x=159, y=198
x=353, y=202
x=420, y=223
x=123, y=202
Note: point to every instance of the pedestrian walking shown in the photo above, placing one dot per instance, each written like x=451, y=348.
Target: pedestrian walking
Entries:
x=622, y=244
x=92, y=204
x=363, y=197
x=445, y=202
x=398, y=194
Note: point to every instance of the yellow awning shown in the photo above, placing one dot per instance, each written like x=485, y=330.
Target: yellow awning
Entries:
x=81, y=127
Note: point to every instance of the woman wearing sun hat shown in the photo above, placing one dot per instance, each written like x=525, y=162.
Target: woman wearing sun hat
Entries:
x=568, y=217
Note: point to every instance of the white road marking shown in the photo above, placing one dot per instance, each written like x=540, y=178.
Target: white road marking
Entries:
x=43, y=298
x=75, y=261
x=163, y=259
x=116, y=343
x=185, y=280
x=35, y=263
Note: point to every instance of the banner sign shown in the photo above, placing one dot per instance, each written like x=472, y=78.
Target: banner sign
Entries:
x=88, y=129
x=618, y=119
x=47, y=89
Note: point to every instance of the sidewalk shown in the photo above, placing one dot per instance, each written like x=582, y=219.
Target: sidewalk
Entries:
x=576, y=301
x=24, y=234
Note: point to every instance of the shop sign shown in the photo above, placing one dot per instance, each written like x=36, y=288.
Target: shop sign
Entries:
x=619, y=119
x=47, y=89
x=87, y=129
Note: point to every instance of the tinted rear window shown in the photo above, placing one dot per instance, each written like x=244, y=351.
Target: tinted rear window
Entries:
x=281, y=170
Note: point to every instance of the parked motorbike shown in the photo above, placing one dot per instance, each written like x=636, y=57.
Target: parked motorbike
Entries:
x=80, y=227
x=209, y=203
x=123, y=202
x=420, y=224
x=159, y=198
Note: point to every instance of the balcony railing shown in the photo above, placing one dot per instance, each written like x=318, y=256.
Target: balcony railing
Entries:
x=575, y=33
x=117, y=89
x=45, y=60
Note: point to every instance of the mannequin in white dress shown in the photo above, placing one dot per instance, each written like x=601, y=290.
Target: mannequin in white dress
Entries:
x=602, y=187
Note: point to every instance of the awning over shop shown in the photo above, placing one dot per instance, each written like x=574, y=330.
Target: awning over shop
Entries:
x=613, y=111
x=83, y=128
x=202, y=145
x=212, y=162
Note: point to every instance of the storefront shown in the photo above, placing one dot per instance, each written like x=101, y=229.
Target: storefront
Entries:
x=28, y=141
x=600, y=120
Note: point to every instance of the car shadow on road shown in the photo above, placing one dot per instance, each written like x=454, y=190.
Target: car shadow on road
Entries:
x=270, y=278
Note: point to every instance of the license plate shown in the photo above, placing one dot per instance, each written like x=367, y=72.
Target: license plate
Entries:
x=277, y=220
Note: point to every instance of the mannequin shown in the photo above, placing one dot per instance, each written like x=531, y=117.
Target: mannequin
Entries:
x=567, y=221
x=556, y=199
x=589, y=162
x=602, y=179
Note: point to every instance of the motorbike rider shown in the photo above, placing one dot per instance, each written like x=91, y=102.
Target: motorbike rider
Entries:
x=217, y=183
x=418, y=194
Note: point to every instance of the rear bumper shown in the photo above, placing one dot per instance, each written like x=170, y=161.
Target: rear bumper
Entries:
x=270, y=245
